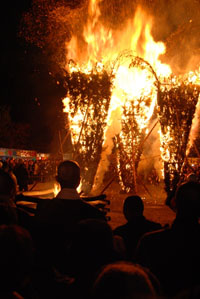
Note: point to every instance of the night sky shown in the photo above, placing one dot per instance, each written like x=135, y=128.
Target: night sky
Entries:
x=27, y=85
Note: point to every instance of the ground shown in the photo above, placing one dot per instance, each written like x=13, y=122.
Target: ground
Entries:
x=154, y=204
x=153, y=197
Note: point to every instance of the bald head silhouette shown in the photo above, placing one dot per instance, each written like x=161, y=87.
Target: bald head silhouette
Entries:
x=68, y=175
x=133, y=207
x=123, y=280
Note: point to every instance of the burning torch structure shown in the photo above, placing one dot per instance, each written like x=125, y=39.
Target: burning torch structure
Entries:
x=177, y=103
x=137, y=111
x=112, y=97
x=87, y=105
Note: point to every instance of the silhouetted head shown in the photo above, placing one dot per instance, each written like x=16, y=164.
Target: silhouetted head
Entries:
x=20, y=161
x=7, y=186
x=187, y=200
x=192, y=177
x=133, y=207
x=68, y=175
x=123, y=280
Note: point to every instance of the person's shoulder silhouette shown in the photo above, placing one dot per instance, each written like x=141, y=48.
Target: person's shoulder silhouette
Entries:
x=68, y=207
x=173, y=254
x=136, y=225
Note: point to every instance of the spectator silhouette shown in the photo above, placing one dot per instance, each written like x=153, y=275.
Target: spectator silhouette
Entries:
x=11, y=214
x=7, y=188
x=21, y=174
x=136, y=224
x=92, y=247
x=173, y=254
x=7, y=200
x=55, y=219
x=8, y=214
x=16, y=260
x=192, y=293
x=192, y=177
x=123, y=280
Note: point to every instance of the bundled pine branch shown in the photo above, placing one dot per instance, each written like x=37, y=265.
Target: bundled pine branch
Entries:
x=176, y=108
x=89, y=96
x=130, y=141
x=89, y=99
x=129, y=150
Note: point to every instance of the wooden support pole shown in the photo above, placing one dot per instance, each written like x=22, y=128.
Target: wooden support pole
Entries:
x=147, y=136
x=196, y=149
x=82, y=126
x=65, y=138
x=134, y=170
x=61, y=148
x=108, y=184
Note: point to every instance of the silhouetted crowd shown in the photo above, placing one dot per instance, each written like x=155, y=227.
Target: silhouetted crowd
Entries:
x=67, y=249
x=191, y=169
x=29, y=171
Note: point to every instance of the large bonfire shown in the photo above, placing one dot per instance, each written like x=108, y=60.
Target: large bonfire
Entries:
x=117, y=88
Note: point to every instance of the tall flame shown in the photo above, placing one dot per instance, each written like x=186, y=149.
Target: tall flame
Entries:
x=132, y=86
x=104, y=44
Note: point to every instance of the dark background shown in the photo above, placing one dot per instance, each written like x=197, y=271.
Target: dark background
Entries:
x=29, y=91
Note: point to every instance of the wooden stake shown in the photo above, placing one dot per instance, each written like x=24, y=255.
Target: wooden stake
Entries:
x=82, y=126
x=65, y=138
x=61, y=148
x=108, y=184
x=134, y=170
x=147, y=136
x=196, y=149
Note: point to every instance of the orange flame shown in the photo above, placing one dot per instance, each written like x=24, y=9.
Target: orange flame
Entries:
x=103, y=46
x=56, y=189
